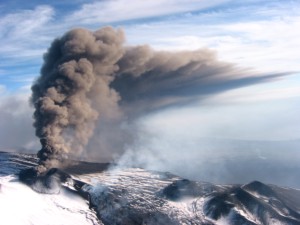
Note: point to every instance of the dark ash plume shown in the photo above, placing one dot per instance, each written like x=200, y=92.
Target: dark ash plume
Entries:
x=90, y=75
x=78, y=68
x=150, y=80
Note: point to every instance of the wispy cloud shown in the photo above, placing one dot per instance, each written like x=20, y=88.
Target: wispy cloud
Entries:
x=121, y=10
x=251, y=34
x=20, y=31
x=23, y=36
x=264, y=37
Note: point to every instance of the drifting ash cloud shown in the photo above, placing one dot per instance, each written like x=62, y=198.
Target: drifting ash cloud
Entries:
x=92, y=77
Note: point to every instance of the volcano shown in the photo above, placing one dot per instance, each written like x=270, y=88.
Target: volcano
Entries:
x=97, y=193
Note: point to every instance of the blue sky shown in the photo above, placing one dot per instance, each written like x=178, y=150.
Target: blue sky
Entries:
x=260, y=35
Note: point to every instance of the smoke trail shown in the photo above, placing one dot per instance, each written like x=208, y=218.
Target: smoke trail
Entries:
x=90, y=75
x=150, y=80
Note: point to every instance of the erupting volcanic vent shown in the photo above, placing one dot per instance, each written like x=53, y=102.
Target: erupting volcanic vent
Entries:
x=78, y=68
x=88, y=76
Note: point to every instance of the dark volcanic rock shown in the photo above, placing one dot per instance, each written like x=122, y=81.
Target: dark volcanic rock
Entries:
x=253, y=200
x=48, y=183
x=28, y=176
x=185, y=188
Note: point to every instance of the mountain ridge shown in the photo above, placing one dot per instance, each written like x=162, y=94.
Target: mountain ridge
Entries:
x=137, y=196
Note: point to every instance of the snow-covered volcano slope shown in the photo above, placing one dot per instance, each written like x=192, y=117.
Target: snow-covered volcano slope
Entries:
x=137, y=196
x=20, y=205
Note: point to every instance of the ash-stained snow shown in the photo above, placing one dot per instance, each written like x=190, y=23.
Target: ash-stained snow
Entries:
x=97, y=195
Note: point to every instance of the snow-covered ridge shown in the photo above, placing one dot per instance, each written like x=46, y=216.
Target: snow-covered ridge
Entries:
x=136, y=196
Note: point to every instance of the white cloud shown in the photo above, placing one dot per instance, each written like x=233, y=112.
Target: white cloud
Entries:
x=16, y=130
x=2, y=89
x=120, y=10
x=21, y=32
x=16, y=25
x=266, y=44
x=265, y=39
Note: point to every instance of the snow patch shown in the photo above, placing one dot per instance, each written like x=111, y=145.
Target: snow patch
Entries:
x=20, y=205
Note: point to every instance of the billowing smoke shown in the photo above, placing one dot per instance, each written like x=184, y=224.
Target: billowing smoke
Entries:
x=74, y=89
x=88, y=76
